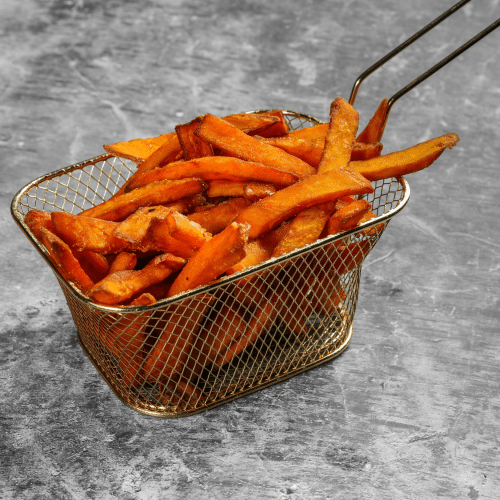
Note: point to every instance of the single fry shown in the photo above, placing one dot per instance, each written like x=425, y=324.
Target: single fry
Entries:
x=95, y=265
x=159, y=234
x=407, y=161
x=65, y=261
x=186, y=231
x=124, y=261
x=305, y=228
x=215, y=256
x=348, y=216
x=311, y=133
x=374, y=131
x=216, y=219
x=215, y=168
x=123, y=285
x=270, y=212
x=120, y=207
x=192, y=146
x=252, y=123
x=135, y=226
x=281, y=127
x=183, y=322
x=36, y=219
x=240, y=145
x=340, y=138
x=224, y=187
x=87, y=233
x=137, y=150
x=255, y=191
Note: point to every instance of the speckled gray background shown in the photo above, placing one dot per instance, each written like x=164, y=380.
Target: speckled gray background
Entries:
x=411, y=409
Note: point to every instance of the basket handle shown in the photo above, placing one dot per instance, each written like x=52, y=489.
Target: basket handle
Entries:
x=430, y=71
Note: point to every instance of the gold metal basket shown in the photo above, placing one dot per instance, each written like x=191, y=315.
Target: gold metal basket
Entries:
x=290, y=313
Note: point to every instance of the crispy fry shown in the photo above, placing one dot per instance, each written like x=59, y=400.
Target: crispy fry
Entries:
x=216, y=256
x=124, y=261
x=135, y=226
x=255, y=191
x=36, y=219
x=348, y=216
x=214, y=168
x=216, y=218
x=95, y=265
x=87, y=233
x=252, y=123
x=120, y=207
x=192, y=145
x=281, y=127
x=186, y=231
x=137, y=149
x=305, y=228
x=169, y=354
x=215, y=338
x=374, y=131
x=269, y=212
x=311, y=133
x=159, y=234
x=224, y=187
x=65, y=261
x=185, y=205
x=407, y=161
x=238, y=144
x=123, y=285
x=340, y=138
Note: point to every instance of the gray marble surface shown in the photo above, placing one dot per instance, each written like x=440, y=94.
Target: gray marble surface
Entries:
x=411, y=408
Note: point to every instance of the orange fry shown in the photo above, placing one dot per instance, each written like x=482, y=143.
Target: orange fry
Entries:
x=305, y=228
x=120, y=207
x=407, y=161
x=252, y=123
x=311, y=133
x=215, y=219
x=170, y=351
x=255, y=191
x=281, y=127
x=135, y=226
x=213, y=168
x=348, y=216
x=374, y=131
x=215, y=256
x=87, y=233
x=186, y=231
x=215, y=338
x=95, y=265
x=224, y=187
x=65, y=261
x=123, y=285
x=137, y=149
x=341, y=136
x=36, y=219
x=238, y=144
x=269, y=212
x=192, y=145
x=124, y=261
x=159, y=234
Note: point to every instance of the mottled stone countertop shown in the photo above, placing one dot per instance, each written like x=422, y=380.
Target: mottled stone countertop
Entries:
x=412, y=408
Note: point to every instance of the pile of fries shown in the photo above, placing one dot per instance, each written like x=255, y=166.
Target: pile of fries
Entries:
x=215, y=197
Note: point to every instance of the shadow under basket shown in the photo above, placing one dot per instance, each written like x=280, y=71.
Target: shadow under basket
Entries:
x=222, y=341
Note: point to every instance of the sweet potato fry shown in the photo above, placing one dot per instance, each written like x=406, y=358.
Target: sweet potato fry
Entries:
x=135, y=226
x=137, y=150
x=305, y=228
x=187, y=204
x=224, y=187
x=311, y=133
x=374, y=131
x=120, y=207
x=281, y=127
x=95, y=265
x=192, y=146
x=87, y=233
x=255, y=191
x=269, y=212
x=159, y=234
x=124, y=261
x=123, y=285
x=240, y=145
x=252, y=123
x=348, y=216
x=261, y=321
x=216, y=218
x=215, y=256
x=186, y=231
x=213, y=168
x=183, y=322
x=407, y=161
x=340, y=138
x=36, y=219
x=65, y=261
x=311, y=150
x=215, y=338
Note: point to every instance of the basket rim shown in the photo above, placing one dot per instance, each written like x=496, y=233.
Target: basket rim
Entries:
x=18, y=217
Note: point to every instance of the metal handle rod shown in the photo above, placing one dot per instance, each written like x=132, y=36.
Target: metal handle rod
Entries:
x=437, y=67
x=401, y=47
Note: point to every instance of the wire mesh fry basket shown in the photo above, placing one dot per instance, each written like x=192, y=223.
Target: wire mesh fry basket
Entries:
x=172, y=358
